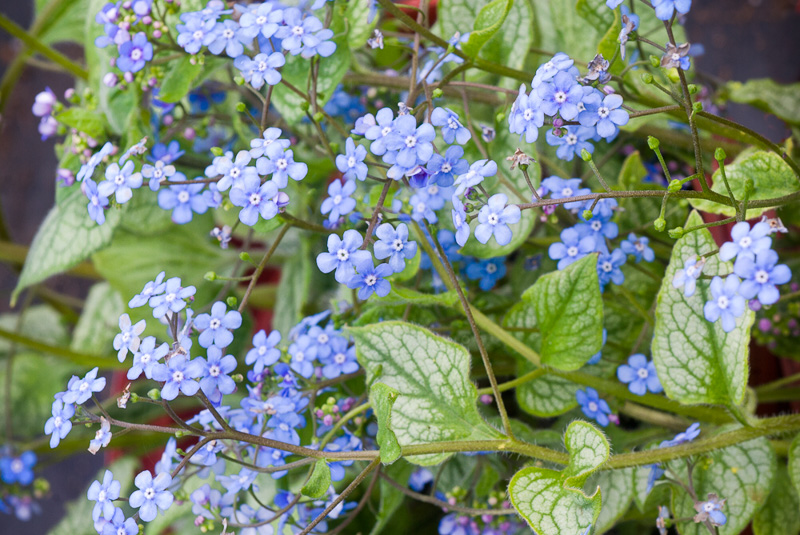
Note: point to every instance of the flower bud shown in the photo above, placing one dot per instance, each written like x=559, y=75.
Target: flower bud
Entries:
x=647, y=78
x=587, y=215
x=654, y=61
x=210, y=276
x=719, y=154
x=660, y=224
x=232, y=301
x=674, y=185
x=154, y=394
x=676, y=233
x=586, y=155
x=437, y=93
x=653, y=142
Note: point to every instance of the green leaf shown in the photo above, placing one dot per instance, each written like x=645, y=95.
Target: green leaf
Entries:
x=794, y=462
x=437, y=401
x=179, y=79
x=83, y=120
x=768, y=95
x=359, y=30
x=65, y=25
x=382, y=398
x=742, y=474
x=97, y=325
x=617, y=489
x=779, y=515
x=599, y=17
x=293, y=290
x=698, y=362
x=772, y=177
x=510, y=45
x=404, y=296
x=553, y=502
x=66, y=237
x=489, y=20
x=569, y=314
x=390, y=498
x=319, y=482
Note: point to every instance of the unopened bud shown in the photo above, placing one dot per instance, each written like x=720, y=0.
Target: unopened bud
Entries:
x=232, y=301
x=587, y=215
x=437, y=93
x=654, y=61
x=660, y=224
x=647, y=78
x=676, y=233
x=210, y=276
x=719, y=154
x=674, y=185
x=653, y=143
x=154, y=394
x=586, y=155
x=693, y=89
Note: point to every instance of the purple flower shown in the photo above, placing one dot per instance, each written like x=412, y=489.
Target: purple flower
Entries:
x=80, y=390
x=215, y=379
x=561, y=96
x=452, y=129
x=135, y=53
x=746, y=241
x=494, y=219
x=371, y=280
x=725, y=303
x=255, y=198
x=394, y=245
x=43, y=103
x=444, y=169
x=339, y=202
x=351, y=163
x=640, y=375
x=592, y=406
x=279, y=162
x=342, y=254
x=571, y=248
x=264, y=352
x=526, y=115
x=216, y=327
x=178, y=375
x=183, y=199
x=59, y=425
x=97, y=202
x=604, y=114
x=260, y=69
x=195, y=34
x=147, y=357
x=761, y=276
x=152, y=494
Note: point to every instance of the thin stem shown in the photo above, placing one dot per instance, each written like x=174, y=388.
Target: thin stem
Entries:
x=443, y=504
x=257, y=273
x=35, y=44
x=375, y=213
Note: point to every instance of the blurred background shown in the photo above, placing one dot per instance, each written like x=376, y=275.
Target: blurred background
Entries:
x=743, y=39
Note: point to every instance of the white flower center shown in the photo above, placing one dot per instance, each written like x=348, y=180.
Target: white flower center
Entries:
x=339, y=358
x=84, y=386
x=214, y=324
x=607, y=266
x=493, y=219
x=262, y=66
x=343, y=255
x=572, y=251
x=169, y=298
x=560, y=97
x=398, y=245
x=337, y=199
x=690, y=271
x=177, y=376
x=571, y=139
x=452, y=123
x=262, y=350
x=386, y=130
x=198, y=35
x=527, y=114
x=300, y=356
x=762, y=277
x=745, y=242
x=255, y=199
x=235, y=172
x=370, y=280
x=183, y=197
x=596, y=226
x=214, y=371
x=639, y=246
x=603, y=112
x=593, y=406
x=566, y=192
x=261, y=20
x=642, y=373
x=490, y=269
x=149, y=493
x=298, y=31
x=136, y=54
x=411, y=141
x=723, y=302
x=101, y=496
x=119, y=179
x=676, y=57
x=17, y=466
x=282, y=164
x=227, y=33
x=126, y=336
x=446, y=167
x=351, y=161
x=145, y=358
x=58, y=421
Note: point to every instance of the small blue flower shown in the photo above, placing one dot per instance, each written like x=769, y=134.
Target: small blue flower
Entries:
x=147, y=357
x=477, y=172
x=59, y=424
x=592, y=406
x=494, y=219
x=413, y=143
x=260, y=19
x=119, y=525
x=371, y=279
x=347, y=442
x=152, y=495
x=304, y=35
x=18, y=469
x=216, y=327
x=101, y=438
x=460, y=221
x=80, y=390
x=134, y=54
x=97, y=202
x=547, y=71
x=746, y=241
x=571, y=248
x=444, y=169
x=195, y=34
x=166, y=153
x=381, y=132
x=157, y=173
x=303, y=352
x=419, y=479
x=638, y=247
x=574, y=140
x=232, y=172
x=725, y=303
x=608, y=268
x=452, y=129
x=279, y=162
x=173, y=298
x=128, y=338
x=342, y=254
x=183, y=199
x=666, y=8
x=562, y=95
x=526, y=116
x=691, y=433
x=178, y=375
x=215, y=379
x=686, y=278
x=341, y=359
x=271, y=135
x=640, y=375
x=87, y=169
x=339, y=202
x=228, y=37
x=255, y=199
x=104, y=494
x=262, y=68
x=120, y=182
x=264, y=353
x=613, y=3
x=154, y=287
x=486, y=272
x=604, y=114
x=351, y=163
x=563, y=189
x=761, y=276
x=711, y=511
x=394, y=245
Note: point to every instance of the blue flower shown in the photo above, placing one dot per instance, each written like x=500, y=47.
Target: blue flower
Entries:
x=604, y=114
x=263, y=353
x=18, y=469
x=279, y=162
x=571, y=248
x=562, y=189
x=339, y=202
x=195, y=34
x=228, y=37
x=494, y=219
x=725, y=303
x=444, y=169
x=146, y=358
x=460, y=221
x=232, y=172
x=178, y=375
x=608, y=268
x=215, y=379
x=371, y=279
x=351, y=163
x=101, y=438
x=341, y=359
x=59, y=424
x=262, y=68
x=761, y=276
x=638, y=247
x=173, y=298
x=711, y=511
x=260, y=19
x=119, y=525
x=666, y=8
x=304, y=35
x=152, y=494
x=255, y=198
x=347, y=442
x=640, y=375
x=342, y=253
x=394, y=245
x=419, y=479
x=477, y=172
x=746, y=241
x=526, y=116
x=413, y=143
x=80, y=390
x=271, y=135
x=599, y=228
x=597, y=356
x=572, y=142
x=452, y=129
x=216, y=327
x=119, y=182
x=303, y=352
x=104, y=494
x=128, y=338
x=592, y=406
x=157, y=173
x=154, y=287
x=486, y=272
x=561, y=96
x=613, y=3
x=381, y=132
x=686, y=278
x=166, y=153
x=547, y=71
x=87, y=169
x=183, y=199
x=691, y=433
x=455, y=524
x=97, y=203
x=134, y=54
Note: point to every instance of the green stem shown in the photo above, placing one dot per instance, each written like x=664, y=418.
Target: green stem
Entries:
x=78, y=358
x=35, y=44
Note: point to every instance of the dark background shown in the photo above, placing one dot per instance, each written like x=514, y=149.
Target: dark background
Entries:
x=743, y=39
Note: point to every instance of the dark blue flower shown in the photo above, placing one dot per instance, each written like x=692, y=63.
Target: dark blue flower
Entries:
x=486, y=272
x=444, y=169
x=638, y=247
x=640, y=375
x=18, y=469
x=608, y=268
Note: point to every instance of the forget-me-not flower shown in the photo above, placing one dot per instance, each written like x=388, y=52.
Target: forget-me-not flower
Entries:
x=264, y=353
x=59, y=424
x=173, y=298
x=494, y=220
x=371, y=279
x=394, y=245
x=152, y=495
x=134, y=54
x=279, y=162
x=128, y=338
x=638, y=247
x=725, y=303
x=452, y=129
x=339, y=202
x=746, y=241
x=262, y=68
x=604, y=113
x=342, y=254
x=147, y=357
x=572, y=247
x=351, y=163
x=255, y=199
x=526, y=115
x=120, y=182
x=562, y=95
x=80, y=390
x=592, y=406
x=178, y=375
x=216, y=327
x=640, y=375
x=686, y=278
x=104, y=494
x=761, y=275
